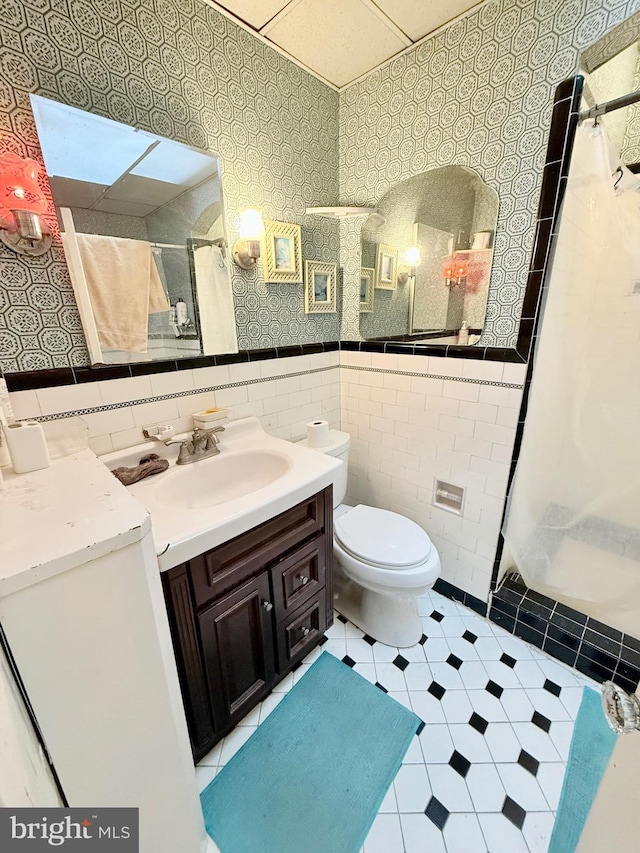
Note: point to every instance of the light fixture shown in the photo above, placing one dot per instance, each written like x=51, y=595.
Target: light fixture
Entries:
x=412, y=259
x=454, y=271
x=246, y=249
x=21, y=204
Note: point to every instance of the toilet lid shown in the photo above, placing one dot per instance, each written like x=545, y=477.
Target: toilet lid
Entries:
x=382, y=538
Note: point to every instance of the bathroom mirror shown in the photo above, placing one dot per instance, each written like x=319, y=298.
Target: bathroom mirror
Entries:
x=428, y=250
x=141, y=220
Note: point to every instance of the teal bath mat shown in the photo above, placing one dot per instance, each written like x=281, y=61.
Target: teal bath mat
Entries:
x=312, y=777
x=591, y=748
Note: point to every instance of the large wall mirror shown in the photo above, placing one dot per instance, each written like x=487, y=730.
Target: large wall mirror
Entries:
x=426, y=258
x=142, y=225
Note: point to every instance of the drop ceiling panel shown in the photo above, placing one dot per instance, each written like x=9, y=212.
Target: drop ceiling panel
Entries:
x=144, y=190
x=418, y=17
x=255, y=12
x=338, y=39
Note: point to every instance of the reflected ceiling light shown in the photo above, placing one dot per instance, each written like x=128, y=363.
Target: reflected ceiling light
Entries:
x=246, y=249
x=21, y=204
x=412, y=259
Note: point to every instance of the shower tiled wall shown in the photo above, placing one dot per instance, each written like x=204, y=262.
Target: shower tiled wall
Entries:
x=416, y=418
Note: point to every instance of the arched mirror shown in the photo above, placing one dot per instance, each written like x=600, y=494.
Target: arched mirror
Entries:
x=426, y=258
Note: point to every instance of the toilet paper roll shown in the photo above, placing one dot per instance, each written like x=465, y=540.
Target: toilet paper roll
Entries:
x=318, y=433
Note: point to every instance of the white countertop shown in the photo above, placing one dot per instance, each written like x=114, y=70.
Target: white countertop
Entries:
x=61, y=517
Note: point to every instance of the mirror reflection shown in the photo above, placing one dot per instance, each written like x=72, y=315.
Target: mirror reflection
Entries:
x=141, y=219
x=426, y=258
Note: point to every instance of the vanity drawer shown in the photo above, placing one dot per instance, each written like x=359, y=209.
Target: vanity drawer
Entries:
x=227, y=566
x=301, y=632
x=298, y=577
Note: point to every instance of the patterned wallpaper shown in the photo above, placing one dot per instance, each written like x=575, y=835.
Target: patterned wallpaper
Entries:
x=179, y=69
x=477, y=94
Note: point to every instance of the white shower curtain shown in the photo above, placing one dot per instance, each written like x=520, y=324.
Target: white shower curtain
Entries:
x=573, y=522
x=215, y=301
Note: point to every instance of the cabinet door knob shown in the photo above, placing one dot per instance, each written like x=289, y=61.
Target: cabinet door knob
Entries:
x=303, y=579
x=305, y=631
x=268, y=606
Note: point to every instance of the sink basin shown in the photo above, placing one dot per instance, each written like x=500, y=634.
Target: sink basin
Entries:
x=221, y=478
x=196, y=507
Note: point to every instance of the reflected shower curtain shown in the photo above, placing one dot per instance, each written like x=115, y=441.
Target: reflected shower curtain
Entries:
x=573, y=523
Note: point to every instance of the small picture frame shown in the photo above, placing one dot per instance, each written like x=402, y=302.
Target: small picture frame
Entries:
x=319, y=287
x=386, y=267
x=367, y=278
x=282, y=252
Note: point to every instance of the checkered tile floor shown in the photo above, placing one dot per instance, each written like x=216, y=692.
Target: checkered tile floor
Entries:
x=485, y=771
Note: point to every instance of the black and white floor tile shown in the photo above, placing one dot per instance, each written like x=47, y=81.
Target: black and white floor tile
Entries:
x=484, y=774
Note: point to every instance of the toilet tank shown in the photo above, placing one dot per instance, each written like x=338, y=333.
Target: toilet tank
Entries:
x=338, y=447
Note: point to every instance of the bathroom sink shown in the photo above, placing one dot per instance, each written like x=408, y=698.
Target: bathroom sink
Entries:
x=221, y=478
x=196, y=507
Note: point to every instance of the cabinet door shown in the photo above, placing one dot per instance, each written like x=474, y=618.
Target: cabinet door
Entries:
x=237, y=642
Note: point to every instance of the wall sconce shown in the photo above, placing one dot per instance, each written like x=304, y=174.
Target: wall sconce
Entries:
x=21, y=204
x=412, y=259
x=246, y=249
x=454, y=271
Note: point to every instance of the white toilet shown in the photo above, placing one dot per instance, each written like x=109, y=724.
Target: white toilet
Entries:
x=384, y=561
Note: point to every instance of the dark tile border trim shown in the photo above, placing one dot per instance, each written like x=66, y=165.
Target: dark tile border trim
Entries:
x=456, y=594
x=27, y=380
x=444, y=350
x=597, y=650
x=564, y=123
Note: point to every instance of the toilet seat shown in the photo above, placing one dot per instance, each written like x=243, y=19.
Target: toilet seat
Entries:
x=383, y=539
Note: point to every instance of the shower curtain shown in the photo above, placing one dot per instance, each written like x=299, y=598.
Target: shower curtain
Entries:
x=572, y=528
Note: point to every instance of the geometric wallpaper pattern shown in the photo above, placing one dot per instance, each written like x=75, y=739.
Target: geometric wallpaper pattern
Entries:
x=479, y=94
x=182, y=70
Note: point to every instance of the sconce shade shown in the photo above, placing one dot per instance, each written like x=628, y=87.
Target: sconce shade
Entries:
x=251, y=225
x=412, y=257
x=21, y=204
x=19, y=189
x=246, y=249
x=461, y=268
x=447, y=269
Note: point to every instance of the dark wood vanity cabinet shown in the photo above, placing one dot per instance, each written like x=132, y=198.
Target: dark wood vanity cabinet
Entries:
x=243, y=614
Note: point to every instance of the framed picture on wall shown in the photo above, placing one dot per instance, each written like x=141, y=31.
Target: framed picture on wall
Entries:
x=282, y=252
x=367, y=277
x=319, y=287
x=386, y=267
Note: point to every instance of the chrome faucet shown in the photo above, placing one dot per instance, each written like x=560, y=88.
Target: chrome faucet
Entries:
x=202, y=444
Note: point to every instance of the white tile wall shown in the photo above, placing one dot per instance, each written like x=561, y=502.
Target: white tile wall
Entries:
x=284, y=405
x=408, y=430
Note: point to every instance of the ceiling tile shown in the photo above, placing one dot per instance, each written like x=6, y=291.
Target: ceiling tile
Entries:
x=417, y=18
x=254, y=12
x=338, y=39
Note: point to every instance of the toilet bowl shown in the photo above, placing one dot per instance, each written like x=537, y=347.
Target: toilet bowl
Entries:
x=383, y=562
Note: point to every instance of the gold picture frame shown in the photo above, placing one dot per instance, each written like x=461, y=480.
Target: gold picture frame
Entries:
x=282, y=252
x=367, y=290
x=387, y=267
x=320, y=287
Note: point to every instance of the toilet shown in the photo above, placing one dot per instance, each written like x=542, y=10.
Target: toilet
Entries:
x=384, y=561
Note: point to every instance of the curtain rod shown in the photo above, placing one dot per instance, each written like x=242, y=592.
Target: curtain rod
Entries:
x=610, y=106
